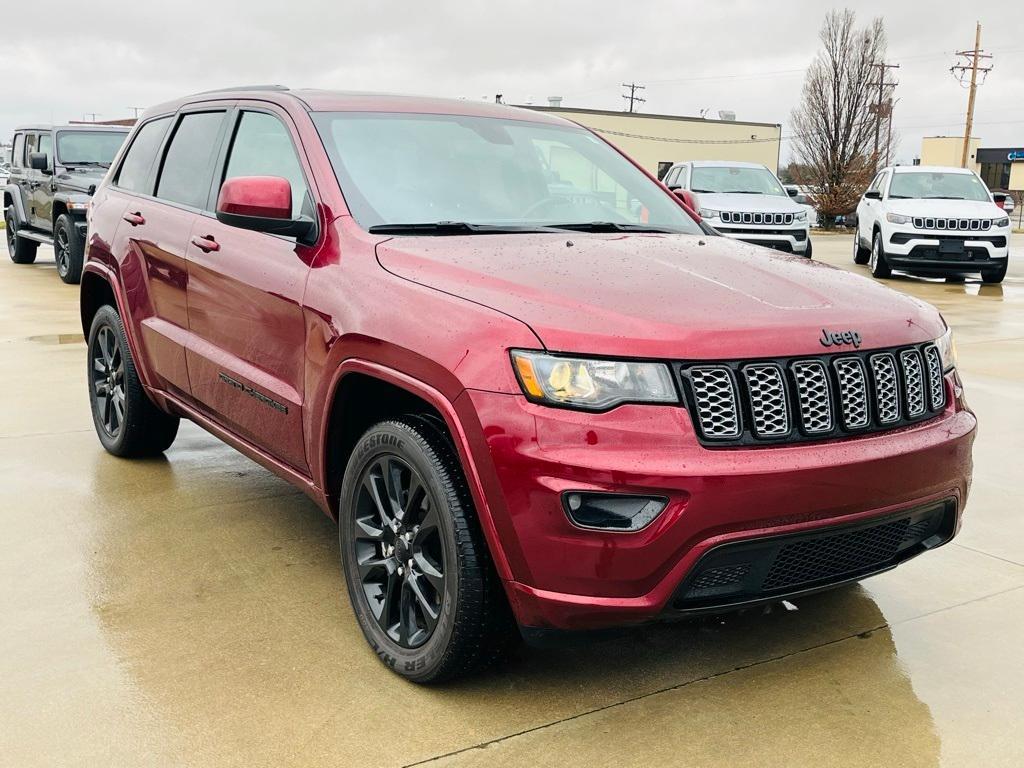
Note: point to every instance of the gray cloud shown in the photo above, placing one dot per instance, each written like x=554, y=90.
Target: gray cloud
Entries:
x=105, y=56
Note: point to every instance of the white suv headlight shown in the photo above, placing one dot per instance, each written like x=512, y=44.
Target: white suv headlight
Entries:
x=800, y=216
x=1003, y=222
x=947, y=350
x=593, y=385
x=897, y=218
x=708, y=213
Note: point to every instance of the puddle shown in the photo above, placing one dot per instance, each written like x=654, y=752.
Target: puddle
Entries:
x=58, y=338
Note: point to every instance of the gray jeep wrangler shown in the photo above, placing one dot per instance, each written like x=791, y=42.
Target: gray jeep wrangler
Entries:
x=54, y=171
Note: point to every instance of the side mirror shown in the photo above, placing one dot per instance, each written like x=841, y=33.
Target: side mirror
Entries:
x=689, y=200
x=792, y=191
x=872, y=194
x=38, y=161
x=262, y=204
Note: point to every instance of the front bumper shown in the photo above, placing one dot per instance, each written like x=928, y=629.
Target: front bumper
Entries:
x=565, y=577
x=923, y=250
x=789, y=239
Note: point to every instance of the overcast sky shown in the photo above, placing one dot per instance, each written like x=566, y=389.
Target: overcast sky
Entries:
x=104, y=57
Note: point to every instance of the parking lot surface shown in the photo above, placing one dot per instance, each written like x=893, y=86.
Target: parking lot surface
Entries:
x=189, y=610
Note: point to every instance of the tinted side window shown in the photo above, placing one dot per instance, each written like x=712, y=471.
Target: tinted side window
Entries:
x=46, y=146
x=31, y=145
x=188, y=165
x=138, y=161
x=18, y=152
x=263, y=147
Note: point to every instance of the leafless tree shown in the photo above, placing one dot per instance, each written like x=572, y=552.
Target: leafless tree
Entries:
x=834, y=124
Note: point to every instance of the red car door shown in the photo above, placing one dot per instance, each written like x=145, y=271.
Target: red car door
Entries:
x=246, y=354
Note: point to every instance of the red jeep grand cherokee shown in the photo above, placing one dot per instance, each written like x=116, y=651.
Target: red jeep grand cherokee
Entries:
x=529, y=385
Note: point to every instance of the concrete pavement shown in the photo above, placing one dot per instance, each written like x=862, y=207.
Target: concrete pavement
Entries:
x=189, y=610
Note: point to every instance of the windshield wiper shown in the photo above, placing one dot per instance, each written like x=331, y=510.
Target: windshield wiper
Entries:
x=612, y=226
x=455, y=228
x=743, y=192
x=944, y=197
x=81, y=163
x=704, y=191
x=900, y=197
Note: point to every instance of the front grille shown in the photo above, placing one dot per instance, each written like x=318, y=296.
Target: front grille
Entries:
x=936, y=391
x=771, y=567
x=756, y=218
x=790, y=400
x=799, y=235
x=714, y=393
x=902, y=238
x=953, y=225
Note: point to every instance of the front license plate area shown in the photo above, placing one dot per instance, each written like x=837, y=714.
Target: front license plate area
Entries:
x=951, y=247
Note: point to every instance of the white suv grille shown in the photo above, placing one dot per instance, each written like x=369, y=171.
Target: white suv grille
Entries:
x=746, y=402
x=957, y=225
x=756, y=217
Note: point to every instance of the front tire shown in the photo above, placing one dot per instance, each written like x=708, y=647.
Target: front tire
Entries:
x=22, y=251
x=127, y=422
x=995, y=276
x=68, y=250
x=419, y=575
x=876, y=261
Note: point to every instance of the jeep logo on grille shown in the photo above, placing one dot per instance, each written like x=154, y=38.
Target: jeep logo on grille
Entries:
x=838, y=338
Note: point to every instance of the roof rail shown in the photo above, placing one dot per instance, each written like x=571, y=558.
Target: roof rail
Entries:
x=271, y=87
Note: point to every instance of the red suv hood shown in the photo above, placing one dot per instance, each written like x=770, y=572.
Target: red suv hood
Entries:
x=665, y=296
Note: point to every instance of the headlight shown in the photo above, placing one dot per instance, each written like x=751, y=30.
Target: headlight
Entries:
x=801, y=216
x=1003, y=222
x=947, y=350
x=897, y=218
x=708, y=213
x=593, y=385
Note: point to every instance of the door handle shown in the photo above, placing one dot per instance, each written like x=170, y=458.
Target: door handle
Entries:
x=134, y=218
x=205, y=244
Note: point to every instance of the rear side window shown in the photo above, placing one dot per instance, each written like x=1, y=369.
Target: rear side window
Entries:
x=138, y=162
x=18, y=152
x=188, y=165
x=263, y=147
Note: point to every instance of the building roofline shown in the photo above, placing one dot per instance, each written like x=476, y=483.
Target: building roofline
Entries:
x=650, y=115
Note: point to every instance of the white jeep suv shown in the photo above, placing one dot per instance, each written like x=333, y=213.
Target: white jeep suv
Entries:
x=745, y=201
x=931, y=220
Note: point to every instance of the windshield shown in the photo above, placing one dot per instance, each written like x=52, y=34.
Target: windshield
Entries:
x=427, y=169
x=723, y=178
x=88, y=147
x=938, y=185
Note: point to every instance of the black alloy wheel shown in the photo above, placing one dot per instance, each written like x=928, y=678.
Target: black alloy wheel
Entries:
x=107, y=381
x=62, y=252
x=400, y=555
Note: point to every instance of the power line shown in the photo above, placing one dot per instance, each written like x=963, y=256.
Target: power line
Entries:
x=633, y=88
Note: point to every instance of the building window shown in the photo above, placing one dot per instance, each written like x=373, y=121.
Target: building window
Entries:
x=996, y=175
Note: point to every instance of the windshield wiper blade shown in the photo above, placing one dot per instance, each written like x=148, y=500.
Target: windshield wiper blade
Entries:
x=742, y=192
x=944, y=197
x=704, y=191
x=455, y=228
x=612, y=226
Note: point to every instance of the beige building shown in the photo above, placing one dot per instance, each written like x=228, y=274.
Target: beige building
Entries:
x=948, y=151
x=657, y=141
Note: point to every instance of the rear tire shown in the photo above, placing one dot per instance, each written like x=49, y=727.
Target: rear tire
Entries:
x=993, y=276
x=879, y=266
x=22, y=251
x=860, y=253
x=68, y=250
x=127, y=422
x=419, y=574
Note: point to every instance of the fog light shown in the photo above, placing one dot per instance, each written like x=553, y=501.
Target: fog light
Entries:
x=612, y=512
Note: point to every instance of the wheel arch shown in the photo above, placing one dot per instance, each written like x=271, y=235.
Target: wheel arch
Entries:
x=364, y=392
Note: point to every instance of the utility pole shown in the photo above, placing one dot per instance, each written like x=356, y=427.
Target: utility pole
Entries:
x=879, y=107
x=888, y=138
x=94, y=115
x=960, y=70
x=135, y=111
x=632, y=97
